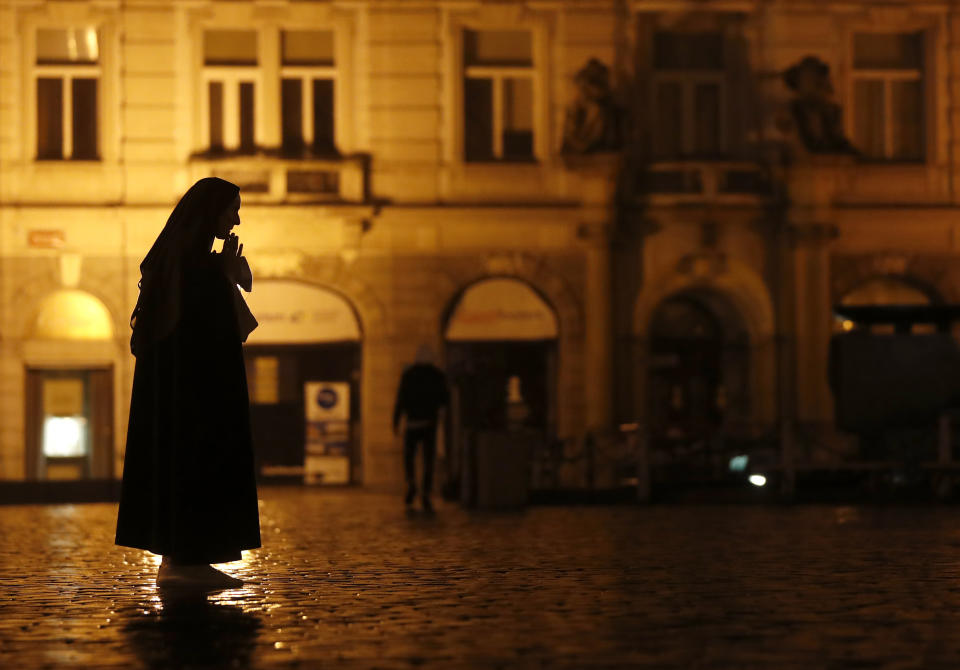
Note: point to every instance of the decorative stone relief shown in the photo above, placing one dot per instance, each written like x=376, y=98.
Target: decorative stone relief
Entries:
x=592, y=123
x=817, y=119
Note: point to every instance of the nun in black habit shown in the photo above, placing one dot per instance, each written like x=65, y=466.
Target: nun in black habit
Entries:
x=189, y=490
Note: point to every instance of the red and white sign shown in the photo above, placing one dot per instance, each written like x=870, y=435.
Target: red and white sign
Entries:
x=501, y=309
x=46, y=239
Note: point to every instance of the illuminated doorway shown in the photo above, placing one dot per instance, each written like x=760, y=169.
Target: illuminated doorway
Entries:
x=69, y=423
x=69, y=406
x=697, y=380
x=303, y=372
x=501, y=358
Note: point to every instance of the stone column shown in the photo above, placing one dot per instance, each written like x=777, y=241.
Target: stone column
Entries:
x=594, y=179
x=806, y=308
x=598, y=334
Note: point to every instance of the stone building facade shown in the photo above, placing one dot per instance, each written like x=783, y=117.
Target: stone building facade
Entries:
x=626, y=205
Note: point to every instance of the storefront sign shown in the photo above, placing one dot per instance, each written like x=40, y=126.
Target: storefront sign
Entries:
x=501, y=309
x=292, y=312
x=46, y=239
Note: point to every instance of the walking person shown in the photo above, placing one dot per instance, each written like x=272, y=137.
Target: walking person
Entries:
x=421, y=397
x=189, y=490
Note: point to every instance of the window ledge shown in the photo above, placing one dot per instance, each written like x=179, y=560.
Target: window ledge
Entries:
x=275, y=178
x=503, y=161
x=695, y=181
x=69, y=161
x=882, y=162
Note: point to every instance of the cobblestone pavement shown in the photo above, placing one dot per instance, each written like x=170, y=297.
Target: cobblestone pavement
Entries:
x=347, y=579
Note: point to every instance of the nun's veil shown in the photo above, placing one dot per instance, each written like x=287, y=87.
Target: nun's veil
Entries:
x=158, y=307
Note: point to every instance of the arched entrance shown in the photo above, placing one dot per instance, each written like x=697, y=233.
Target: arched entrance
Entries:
x=697, y=378
x=501, y=357
x=303, y=370
x=69, y=407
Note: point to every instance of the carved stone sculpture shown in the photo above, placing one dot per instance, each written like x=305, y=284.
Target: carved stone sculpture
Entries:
x=817, y=118
x=592, y=123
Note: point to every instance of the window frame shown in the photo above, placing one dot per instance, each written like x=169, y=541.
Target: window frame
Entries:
x=688, y=81
x=306, y=74
x=456, y=22
x=266, y=75
x=498, y=74
x=888, y=76
x=936, y=89
x=231, y=77
x=66, y=73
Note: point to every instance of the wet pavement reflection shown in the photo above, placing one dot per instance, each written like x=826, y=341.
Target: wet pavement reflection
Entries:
x=189, y=629
x=349, y=579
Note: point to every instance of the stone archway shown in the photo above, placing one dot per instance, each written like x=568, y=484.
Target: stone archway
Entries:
x=739, y=298
x=697, y=368
x=555, y=289
x=305, y=375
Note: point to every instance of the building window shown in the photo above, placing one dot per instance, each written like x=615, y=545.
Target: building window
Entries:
x=688, y=95
x=888, y=119
x=307, y=89
x=230, y=77
x=265, y=386
x=67, y=87
x=498, y=95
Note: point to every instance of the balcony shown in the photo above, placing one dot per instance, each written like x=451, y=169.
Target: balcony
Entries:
x=702, y=182
x=271, y=179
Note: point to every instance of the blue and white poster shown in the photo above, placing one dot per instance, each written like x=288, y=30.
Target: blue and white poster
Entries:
x=327, y=448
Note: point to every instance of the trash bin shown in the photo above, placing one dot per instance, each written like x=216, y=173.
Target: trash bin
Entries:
x=496, y=469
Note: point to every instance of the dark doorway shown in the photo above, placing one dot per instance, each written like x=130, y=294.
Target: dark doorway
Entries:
x=483, y=397
x=480, y=374
x=697, y=379
x=277, y=377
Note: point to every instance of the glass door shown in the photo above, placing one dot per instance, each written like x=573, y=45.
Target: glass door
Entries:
x=69, y=424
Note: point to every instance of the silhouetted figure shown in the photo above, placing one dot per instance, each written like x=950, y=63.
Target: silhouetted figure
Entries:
x=189, y=491
x=592, y=123
x=818, y=119
x=420, y=397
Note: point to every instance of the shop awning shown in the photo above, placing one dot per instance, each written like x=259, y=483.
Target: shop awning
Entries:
x=501, y=309
x=291, y=312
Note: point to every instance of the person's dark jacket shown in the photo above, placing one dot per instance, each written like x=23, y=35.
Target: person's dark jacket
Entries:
x=421, y=394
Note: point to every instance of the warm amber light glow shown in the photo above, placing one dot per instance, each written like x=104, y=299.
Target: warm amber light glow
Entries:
x=501, y=309
x=73, y=315
x=847, y=325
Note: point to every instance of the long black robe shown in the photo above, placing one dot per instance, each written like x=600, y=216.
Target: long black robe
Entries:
x=189, y=488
